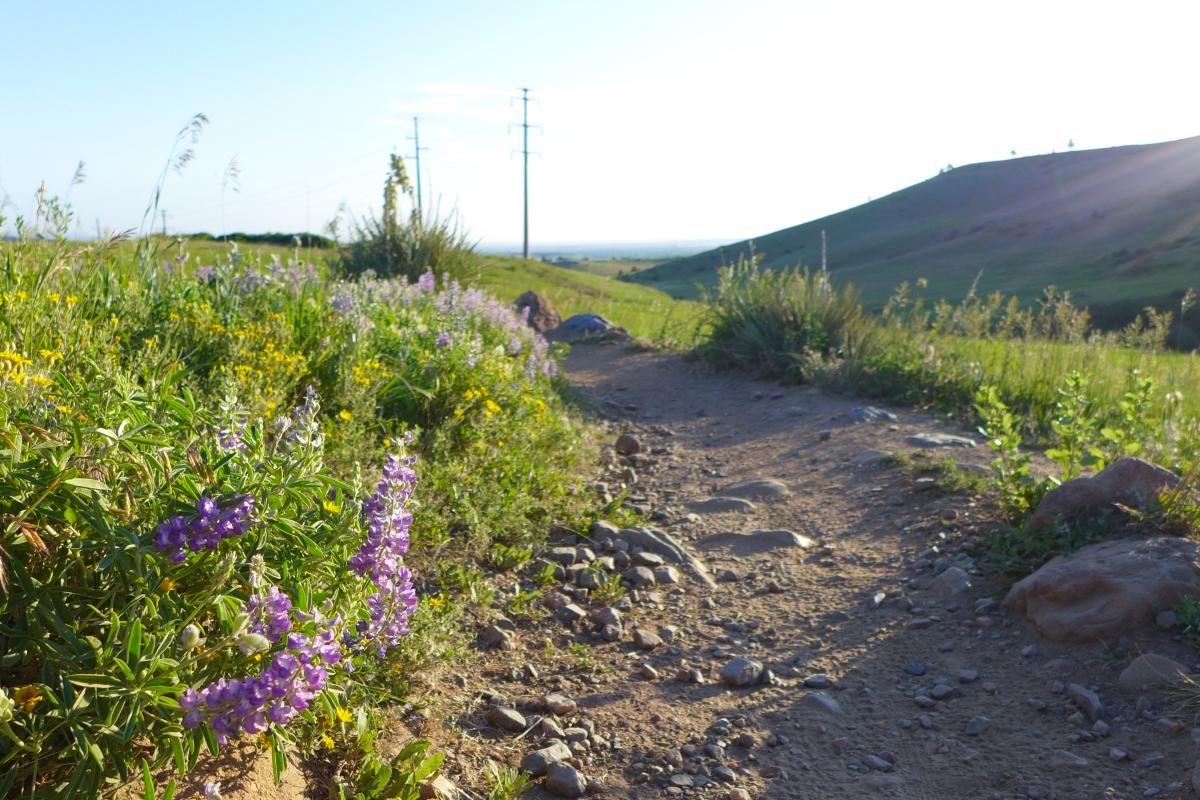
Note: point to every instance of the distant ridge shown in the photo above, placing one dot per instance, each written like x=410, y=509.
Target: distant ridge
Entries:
x=1119, y=227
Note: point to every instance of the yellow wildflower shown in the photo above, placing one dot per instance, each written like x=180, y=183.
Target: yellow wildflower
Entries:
x=50, y=355
x=20, y=295
x=344, y=714
x=54, y=297
x=327, y=742
x=71, y=300
x=167, y=584
x=345, y=416
x=492, y=408
x=27, y=697
x=331, y=507
x=436, y=602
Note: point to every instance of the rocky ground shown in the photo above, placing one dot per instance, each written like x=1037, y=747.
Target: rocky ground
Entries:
x=838, y=642
x=803, y=619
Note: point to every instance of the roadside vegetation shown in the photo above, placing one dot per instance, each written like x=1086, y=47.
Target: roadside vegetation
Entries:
x=1030, y=377
x=250, y=495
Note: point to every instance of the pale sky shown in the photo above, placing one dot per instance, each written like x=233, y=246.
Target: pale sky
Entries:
x=662, y=120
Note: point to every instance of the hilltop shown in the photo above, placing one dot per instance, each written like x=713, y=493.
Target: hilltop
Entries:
x=1119, y=227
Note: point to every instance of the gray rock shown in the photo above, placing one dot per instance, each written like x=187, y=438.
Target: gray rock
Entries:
x=645, y=639
x=757, y=489
x=818, y=682
x=571, y=613
x=506, y=719
x=951, y=583
x=940, y=440
x=721, y=505
x=563, y=780
x=1150, y=669
x=495, y=636
x=977, y=725
x=944, y=691
x=1087, y=700
x=1065, y=758
x=587, y=327
x=645, y=558
x=640, y=577
x=871, y=414
x=656, y=541
x=879, y=764
x=754, y=542
x=603, y=529
x=666, y=574
x=822, y=702
x=538, y=762
x=606, y=616
x=562, y=555
x=740, y=671
x=967, y=676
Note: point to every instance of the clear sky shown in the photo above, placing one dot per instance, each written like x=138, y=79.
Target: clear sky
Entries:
x=663, y=120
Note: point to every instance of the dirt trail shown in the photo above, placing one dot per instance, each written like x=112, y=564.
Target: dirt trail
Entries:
x=882, y=685
x=851, y=611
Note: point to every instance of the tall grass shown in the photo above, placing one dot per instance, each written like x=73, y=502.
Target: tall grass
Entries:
x=784, y=324
x=794, y=324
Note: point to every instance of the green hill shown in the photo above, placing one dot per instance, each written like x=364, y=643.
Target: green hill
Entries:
x=1118, y=227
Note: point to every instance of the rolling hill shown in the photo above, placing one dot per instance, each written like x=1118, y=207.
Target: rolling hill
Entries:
x=1119, y=227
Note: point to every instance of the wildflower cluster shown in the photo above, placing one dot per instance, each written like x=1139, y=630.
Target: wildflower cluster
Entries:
x=380, y=557
x=285, y=688
x=206, y=529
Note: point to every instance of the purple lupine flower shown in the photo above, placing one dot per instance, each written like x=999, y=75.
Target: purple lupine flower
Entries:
x=229, y=438
x=269, y=614
x=287, y=686
x=426, y=283
x=206, y=529
x=205, y=273
x=380, y=556
x=443, y=340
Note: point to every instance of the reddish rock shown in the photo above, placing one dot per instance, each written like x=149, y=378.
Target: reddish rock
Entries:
x=628, y=445
x=1104, y=590
x=539, y=314
x=1130, y=482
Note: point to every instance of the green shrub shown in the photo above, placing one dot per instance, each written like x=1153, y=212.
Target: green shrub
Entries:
x=789, y=324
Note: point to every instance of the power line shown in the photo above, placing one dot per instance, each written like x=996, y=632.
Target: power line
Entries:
x=416, y=138
x=525, y=126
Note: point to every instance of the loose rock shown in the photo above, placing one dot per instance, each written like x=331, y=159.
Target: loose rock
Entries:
x=740, y=672
x=563, y=780
x=1104, y=590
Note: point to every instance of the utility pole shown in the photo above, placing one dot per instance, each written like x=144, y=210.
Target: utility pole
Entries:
x=416, y=137
x=164, y=219
x=525, y=126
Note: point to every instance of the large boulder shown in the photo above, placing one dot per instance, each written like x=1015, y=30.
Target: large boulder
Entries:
x=1104, y=590
x=1131, y=482
x=538, y=312
x=587, y=327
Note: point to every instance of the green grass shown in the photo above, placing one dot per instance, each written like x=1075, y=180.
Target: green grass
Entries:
x=643, y=311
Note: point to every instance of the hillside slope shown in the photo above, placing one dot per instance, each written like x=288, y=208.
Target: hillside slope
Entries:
x=1119, y=227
